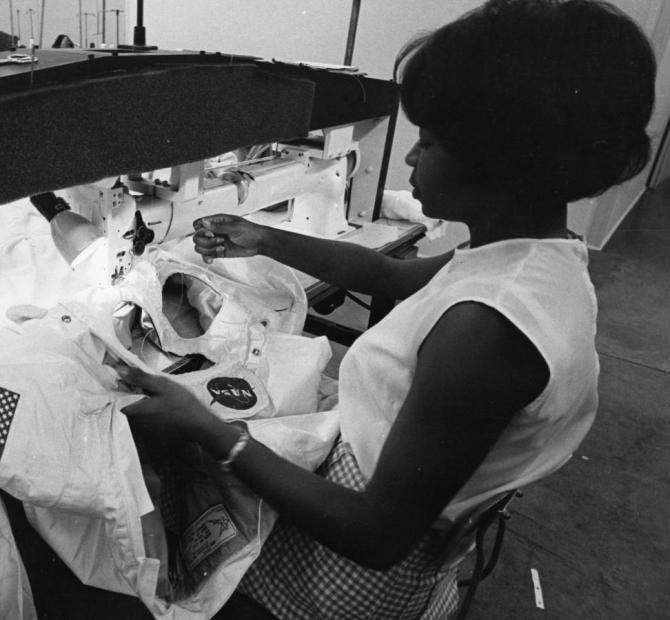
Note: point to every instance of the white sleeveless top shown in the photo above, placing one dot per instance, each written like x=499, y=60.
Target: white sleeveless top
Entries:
x=542, y=286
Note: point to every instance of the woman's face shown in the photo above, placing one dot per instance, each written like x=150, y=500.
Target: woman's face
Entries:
x=437, y=179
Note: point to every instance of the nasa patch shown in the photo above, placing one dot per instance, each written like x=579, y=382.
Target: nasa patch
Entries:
x=232, y=392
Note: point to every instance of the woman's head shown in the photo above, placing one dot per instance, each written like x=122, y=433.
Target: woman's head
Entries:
x=545, y=99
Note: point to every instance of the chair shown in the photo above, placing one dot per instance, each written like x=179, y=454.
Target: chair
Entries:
x=467, y=534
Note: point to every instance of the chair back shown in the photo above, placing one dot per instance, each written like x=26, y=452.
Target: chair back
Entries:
x=467, y=533
x=459, y=537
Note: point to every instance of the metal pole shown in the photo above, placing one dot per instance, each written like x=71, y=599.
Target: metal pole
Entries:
x=117, y=27
x=32, y=32
x=11, y=21
x=42, y=22
x=104, y=20
x=18, y=25
x=139, y=33
x=81, y=27
x=351, y=37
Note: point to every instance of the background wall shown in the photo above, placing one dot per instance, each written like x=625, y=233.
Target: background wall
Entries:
x=62, y=17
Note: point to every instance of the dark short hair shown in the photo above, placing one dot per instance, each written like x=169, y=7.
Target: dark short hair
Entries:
x=548, y=99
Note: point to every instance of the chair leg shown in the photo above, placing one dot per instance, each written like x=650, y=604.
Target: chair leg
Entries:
x=483, y=569
x=497, y=546
x=473, y=581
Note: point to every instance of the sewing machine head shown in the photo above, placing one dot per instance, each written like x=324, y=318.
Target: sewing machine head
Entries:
x=320, y=142
x=301, y=186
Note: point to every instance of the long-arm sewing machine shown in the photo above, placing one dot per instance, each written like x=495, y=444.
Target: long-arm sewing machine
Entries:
x=308, y=178
x=137, y=141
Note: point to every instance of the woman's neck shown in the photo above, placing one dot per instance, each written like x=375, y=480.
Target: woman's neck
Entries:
x=545, y=221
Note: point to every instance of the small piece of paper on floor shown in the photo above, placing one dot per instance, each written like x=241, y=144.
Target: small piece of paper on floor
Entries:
x=539, y=600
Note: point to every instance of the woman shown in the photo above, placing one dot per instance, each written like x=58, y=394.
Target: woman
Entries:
x=484, y=378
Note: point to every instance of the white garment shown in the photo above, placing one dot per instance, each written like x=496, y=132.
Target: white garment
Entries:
x=401, y=205
x=68, y=452
x=16, y=599
x=31, y=269
x=543, y=288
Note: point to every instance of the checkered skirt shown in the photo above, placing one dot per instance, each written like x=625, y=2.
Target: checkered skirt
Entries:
x=296, y=578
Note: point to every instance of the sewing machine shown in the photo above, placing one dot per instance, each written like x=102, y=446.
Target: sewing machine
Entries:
x=143, y=144
x=303, y=183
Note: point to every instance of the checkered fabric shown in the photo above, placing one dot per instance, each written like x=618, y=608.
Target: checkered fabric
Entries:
x=296, y=578
x=9, y=401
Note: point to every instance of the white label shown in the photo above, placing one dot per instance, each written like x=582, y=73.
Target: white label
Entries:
x=535, y=576
x=206, y=534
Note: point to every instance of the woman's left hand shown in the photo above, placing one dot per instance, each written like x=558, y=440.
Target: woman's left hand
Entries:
x=168, y=407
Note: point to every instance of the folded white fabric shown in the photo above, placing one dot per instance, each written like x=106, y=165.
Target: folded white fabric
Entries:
x=67, y=451
x=401, y=205
x=31, y=269
x=16, y=600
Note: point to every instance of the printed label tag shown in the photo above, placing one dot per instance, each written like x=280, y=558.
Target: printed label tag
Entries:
x=206, y=534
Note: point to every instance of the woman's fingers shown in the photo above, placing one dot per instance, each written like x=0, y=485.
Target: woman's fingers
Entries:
x=218, y=236
x=206, y=251
x=209, y=243
x=219, y=224
x=204, y=238
x=209, y=254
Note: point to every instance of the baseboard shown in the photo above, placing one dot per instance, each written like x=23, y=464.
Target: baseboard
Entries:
x=618, y=222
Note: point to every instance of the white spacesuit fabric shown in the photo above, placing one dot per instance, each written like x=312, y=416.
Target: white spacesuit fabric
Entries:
x=16, y=599
x=68, y=452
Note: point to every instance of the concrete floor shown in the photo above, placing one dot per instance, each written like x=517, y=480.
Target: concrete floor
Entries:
x=598, y=530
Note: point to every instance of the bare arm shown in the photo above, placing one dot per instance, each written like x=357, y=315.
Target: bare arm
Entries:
x=346, y=265
x=474, y=372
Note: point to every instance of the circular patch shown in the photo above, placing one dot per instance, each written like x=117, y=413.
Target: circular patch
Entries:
x=232, y=392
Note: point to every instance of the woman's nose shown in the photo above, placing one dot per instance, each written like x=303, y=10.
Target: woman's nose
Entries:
x=410, y=158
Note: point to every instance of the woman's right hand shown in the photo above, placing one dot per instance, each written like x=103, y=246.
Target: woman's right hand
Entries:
x=218, y=236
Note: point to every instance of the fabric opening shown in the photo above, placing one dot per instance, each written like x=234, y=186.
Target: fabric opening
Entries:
x=138, y=333
x=190, y=304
